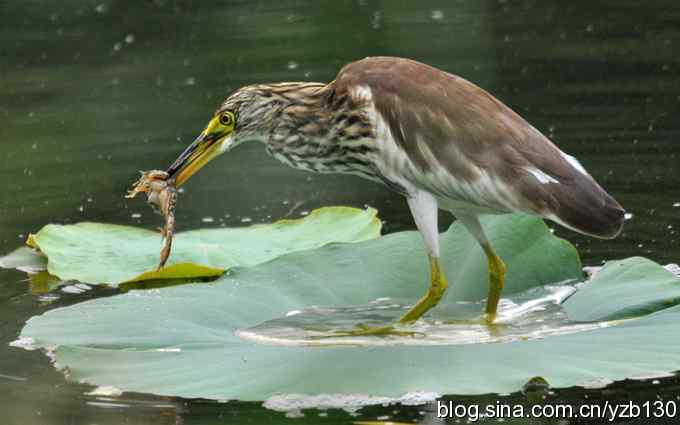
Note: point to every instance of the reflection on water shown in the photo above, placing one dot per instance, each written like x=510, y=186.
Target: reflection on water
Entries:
x=532, y=314
x=92, y=91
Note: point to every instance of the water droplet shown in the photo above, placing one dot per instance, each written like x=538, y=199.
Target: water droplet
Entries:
x=294, y=414
x=293, y=18
x=81, y=208
x=590, y=28
x=377, y=20
x=130, y=38
x=136, y=215
x=101, y=8
x=117, y=46
x=303, y=213
x=676, y=205
x=292, y=65
x=72, y=289
x=207, y=219
x=246, y=220
x=105, y=391
x=628, y=216
x=437, y=15
x=191, y=81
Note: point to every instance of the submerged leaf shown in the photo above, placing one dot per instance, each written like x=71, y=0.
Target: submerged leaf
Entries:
x=112, y=254
x=132, y=340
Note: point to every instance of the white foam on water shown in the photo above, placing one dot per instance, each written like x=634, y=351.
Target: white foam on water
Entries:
x=72, y=289
x=652, y=375
x=556, y=296
x=673, y=268
x=105, y=391
x=597, y=383
x=108, y=405
x=347, y=402
x=25, y=342
x=169, y=350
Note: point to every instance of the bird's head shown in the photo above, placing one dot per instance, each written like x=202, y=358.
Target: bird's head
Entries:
x=244, y=115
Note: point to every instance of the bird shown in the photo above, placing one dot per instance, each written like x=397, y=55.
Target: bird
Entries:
x=434, y=137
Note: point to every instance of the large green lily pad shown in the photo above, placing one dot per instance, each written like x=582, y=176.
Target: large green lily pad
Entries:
x=634, y=286
x=181, y=340
x=113, y=254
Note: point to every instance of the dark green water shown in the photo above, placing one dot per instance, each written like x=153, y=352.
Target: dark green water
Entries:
x=92, y=91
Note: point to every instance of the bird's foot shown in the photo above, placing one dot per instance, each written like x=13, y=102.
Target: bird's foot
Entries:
x=365, y=330
x=490, y=318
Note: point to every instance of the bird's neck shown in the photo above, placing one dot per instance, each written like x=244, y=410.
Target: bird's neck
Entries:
x=314, y=131
x=300, y=114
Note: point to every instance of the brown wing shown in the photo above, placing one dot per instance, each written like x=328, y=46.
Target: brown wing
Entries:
x=432, y=113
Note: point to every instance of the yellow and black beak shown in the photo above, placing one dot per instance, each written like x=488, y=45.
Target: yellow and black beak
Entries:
x=206, y=147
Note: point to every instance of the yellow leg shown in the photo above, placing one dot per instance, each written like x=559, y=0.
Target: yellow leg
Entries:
x=435, y=293
x=496, y=282
x=437, y=288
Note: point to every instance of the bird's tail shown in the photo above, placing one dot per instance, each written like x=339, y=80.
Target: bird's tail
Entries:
x=587, y=208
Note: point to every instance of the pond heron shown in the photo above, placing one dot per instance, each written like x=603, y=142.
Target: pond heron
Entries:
x=434, y=137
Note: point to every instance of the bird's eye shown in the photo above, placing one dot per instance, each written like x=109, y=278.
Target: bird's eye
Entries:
x=226, y=118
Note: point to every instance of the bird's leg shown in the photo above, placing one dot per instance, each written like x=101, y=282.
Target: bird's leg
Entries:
x=496, y=267
x=496, y=281
x=424, y=208
x=438, y=285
